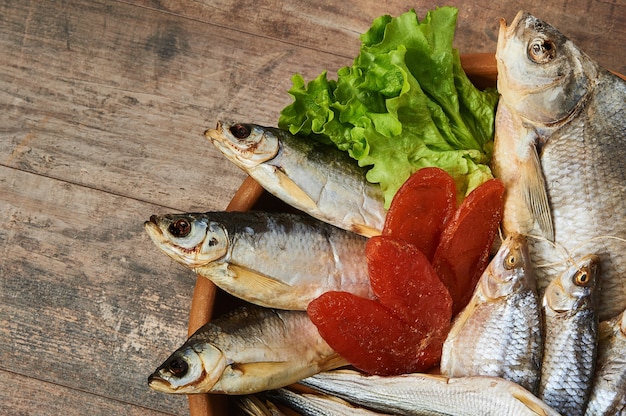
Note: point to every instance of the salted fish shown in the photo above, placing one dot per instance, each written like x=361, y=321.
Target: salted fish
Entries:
x=246, y=351
x=276, y=260
x=310, y=404
x=571, y=338
x=560, y=146
x=499, y=331
x=608, y=395
x=315, y=178
x=426, y=394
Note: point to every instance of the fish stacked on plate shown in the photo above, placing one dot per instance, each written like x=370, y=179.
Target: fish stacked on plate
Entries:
x=545, y=330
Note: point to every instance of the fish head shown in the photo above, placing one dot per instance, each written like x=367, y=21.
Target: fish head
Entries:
x=510, y=269
x=191, y=369
x=542, y=75
x=574, y=288
x=191, y=239
x=246, y=145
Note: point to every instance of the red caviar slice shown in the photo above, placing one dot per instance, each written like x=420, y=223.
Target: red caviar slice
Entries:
x=463, y=251
x=371, y=337
x=420, y=209
x=404, y=280
x=403, y=330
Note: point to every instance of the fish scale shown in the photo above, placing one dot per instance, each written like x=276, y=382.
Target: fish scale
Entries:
x=571, y=338
x=499, y=332
x=276, y=260
x=563, y=393
x=315, y=178
x=317, y=404
x=518, y=357
x=502, y=339
x=596, y=208
x=424, y=394
x=560, y=147
x=608, y=396
x=245, y=351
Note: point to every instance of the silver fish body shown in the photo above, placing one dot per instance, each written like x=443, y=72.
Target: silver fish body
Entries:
x=571, y=338
x=424, y=394
x=559, y=148
x=608, y=396
x=499, y=331
x=315, y=178
x=246, y=351
x=317, y=404
x=276, y=260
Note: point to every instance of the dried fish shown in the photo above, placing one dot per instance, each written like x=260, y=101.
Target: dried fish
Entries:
x=608, y=396
x=317, y=404
x=276, y=260
x=499, y=332
x=571, y=337
x=424, y=394
x=246, y=351
x=559, y=148
x=317, y=179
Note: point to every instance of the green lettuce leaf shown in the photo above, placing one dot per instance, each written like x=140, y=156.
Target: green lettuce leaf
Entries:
x=405, y=103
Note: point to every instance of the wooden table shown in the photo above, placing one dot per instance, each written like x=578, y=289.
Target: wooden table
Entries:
x=102, y=108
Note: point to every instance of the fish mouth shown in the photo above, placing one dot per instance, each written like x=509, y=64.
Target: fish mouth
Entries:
x=506, y=31
x=519, y=17
x=153, y=220
x=156, y=383
x=212, y=133
x=153, y=229
x=217, y=136
x=500, y=47
x=158, y=238
x=188, y=257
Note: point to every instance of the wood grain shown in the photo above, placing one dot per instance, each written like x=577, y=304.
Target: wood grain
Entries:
x=53, y=399
x=102, y=108
x=598, y=27
x=87, y=301
x=129, y=106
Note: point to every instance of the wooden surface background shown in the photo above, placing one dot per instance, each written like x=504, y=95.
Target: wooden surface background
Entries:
x=102, y=109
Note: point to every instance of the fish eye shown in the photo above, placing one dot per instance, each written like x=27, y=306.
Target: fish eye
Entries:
x=240, y=131
x=541, y=51
x=510, y=261
x=180, y=228
x=178, y=367
x=582, y=278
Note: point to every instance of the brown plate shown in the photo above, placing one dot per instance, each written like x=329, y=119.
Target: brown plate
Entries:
x=480, y=69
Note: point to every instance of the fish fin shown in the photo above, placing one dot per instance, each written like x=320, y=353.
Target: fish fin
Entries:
x=215, y=271
x=535, y=194
x=262, y=369
x=462, y=317
x=530, y=401
x=305, y=202
x=364, y=230
x=256, y=281
x=331, y=362
x=245, y=283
